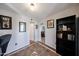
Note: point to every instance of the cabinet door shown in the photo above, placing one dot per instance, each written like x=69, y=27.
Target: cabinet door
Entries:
x=60, y=46
x=77, y=36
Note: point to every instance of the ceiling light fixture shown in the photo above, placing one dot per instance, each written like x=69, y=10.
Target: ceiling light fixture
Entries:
x=32, y=21
x=32, y=6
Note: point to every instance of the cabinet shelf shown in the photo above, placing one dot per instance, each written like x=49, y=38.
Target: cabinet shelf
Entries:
x=67, y=32
x=66, y=23
x=64, y=31
x=65, y=39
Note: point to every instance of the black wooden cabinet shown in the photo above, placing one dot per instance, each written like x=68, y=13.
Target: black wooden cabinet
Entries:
x=67, y=36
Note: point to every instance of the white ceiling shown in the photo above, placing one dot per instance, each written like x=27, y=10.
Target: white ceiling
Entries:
x=42, y=9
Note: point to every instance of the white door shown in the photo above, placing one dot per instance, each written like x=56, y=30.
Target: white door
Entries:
x=32, y=32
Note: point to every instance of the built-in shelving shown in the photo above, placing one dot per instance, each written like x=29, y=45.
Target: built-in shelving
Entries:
x=65, y=37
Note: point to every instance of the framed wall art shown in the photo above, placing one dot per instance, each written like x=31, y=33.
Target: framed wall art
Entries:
x=22, y=26
x=5, y=22
x=50, y=23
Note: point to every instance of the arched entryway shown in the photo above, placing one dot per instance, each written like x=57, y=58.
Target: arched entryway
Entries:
x=43, y=34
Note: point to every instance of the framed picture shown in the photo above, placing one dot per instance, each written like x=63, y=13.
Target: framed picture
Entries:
x=5, y=22
x=50, y=23
x=22, y=26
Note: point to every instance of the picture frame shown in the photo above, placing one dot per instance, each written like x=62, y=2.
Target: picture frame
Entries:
x=22, y=26
x=5, y=22
x=50, y=23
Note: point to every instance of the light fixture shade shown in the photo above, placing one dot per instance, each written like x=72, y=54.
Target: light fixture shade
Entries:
x=32, y=6
x=32, y=21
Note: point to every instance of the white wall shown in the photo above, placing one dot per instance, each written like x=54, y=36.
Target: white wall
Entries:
x=50, y=36
x=21, y=38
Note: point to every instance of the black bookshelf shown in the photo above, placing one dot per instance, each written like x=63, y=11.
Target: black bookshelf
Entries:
x=66, y=36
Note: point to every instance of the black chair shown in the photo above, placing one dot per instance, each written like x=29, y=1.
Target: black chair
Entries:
x=4, y=40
